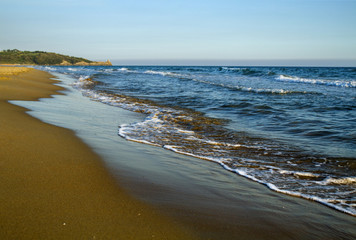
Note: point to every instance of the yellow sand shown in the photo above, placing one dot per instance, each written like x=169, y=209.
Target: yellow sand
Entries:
x=52, y=186
x=6, y=72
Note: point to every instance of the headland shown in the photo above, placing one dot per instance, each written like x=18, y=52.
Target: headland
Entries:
x=17, y=57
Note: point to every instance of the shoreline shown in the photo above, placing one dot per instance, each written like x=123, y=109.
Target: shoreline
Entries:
x=201, y=195
x=52, y=185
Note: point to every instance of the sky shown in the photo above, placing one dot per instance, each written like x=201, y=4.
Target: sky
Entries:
x=194, y=32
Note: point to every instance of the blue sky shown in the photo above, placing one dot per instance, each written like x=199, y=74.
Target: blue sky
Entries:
x=226, y=32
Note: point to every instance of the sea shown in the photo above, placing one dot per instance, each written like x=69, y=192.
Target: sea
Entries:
x=292, y=129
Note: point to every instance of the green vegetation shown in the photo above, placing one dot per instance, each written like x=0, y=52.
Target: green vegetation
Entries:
x=37, y=58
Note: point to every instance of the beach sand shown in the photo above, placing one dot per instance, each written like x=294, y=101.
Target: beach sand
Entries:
x=53, y=186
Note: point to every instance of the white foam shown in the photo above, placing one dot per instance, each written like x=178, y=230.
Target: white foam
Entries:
x=339, y=181
x=220, y=143
x=242, y=172
x=250, y=89
x=126, y=70
x=50, y=68
x=174, y=149
x=300, y=174
x=142, y=141
x=306, y=174
x=83, y=77
x=162, y=73
x=82, y=81
x=231, y=68
x=332, y=203
x=185, y=131
x=124, y=130
x=336, y=83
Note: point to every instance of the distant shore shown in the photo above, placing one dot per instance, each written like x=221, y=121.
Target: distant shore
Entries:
x=64, y=63
x=17, y=57
x=52, y=186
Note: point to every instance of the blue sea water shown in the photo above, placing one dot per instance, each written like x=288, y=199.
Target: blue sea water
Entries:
x=290, y=128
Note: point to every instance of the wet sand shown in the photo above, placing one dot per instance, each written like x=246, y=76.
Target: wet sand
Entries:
x=53, y=186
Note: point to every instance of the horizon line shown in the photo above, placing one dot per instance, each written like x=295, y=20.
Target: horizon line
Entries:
x=238, y=62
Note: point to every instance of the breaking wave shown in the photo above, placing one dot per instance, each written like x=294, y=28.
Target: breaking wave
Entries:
x=336, y=83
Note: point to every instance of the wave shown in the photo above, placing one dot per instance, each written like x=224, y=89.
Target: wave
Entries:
x=334, y=203
x=245, y=71
x=73, y=69
x=50, y=68
x=83, y=77
x=191, y=78
x=86, y=82
x=337, y=204
x=251, y=89
x=336, y=83
x=127, y=70
x=299, y=174
x=162, y=73
x=339, y=181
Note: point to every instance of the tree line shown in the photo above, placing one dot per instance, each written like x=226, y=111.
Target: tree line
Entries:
x=15, y=56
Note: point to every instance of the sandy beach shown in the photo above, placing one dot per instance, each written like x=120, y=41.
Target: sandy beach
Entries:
x=53, y=186
x=211, y=120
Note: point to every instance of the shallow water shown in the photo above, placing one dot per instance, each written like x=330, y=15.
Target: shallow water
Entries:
x=292, y=129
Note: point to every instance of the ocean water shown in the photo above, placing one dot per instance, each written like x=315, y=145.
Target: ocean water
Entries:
x=292, y=129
